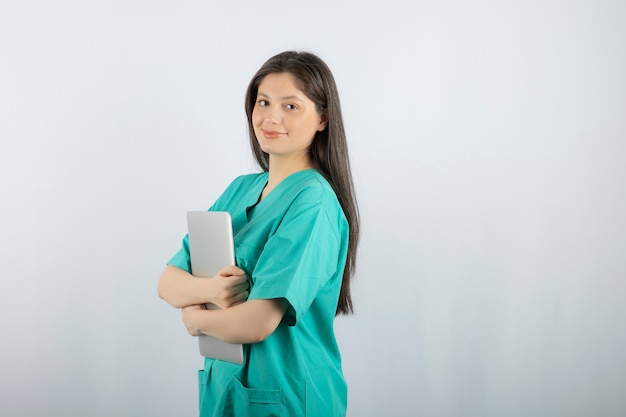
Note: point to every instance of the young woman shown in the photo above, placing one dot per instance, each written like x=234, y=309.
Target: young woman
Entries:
x=296, y=227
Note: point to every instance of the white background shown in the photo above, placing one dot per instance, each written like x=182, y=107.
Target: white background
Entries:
x=488, y=141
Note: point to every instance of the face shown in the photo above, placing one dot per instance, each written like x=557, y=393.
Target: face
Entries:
x=285, y=120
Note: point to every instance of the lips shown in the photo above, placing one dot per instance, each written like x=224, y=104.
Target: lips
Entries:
x=272, y=134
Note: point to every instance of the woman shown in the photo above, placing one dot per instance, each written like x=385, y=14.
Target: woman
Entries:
x=296, y=228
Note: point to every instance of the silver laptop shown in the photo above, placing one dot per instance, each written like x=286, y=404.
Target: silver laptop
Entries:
x=211, y=248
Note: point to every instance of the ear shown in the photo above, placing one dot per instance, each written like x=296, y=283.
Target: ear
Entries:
x=323, y=122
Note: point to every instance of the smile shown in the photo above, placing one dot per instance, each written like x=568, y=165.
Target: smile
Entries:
x=272, y=134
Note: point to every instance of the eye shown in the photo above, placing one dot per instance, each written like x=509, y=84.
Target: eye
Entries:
x=291, y=106
x=262, y=103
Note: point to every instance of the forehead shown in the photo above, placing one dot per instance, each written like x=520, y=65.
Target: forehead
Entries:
x=281, y=85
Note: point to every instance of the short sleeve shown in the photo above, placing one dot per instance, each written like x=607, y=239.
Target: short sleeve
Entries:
x=299, y=259
x=182, y=259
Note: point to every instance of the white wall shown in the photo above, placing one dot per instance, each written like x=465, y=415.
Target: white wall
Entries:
x=488, y=142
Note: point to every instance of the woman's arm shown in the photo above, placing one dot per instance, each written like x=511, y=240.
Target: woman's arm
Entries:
x=181, y=289
x=249, y=322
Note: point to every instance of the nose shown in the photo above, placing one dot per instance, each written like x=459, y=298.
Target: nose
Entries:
x=272, y=115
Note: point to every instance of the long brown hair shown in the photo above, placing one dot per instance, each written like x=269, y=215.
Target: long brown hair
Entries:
x=328, y=151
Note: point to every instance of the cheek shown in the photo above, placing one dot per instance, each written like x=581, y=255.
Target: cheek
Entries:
x=257, y=117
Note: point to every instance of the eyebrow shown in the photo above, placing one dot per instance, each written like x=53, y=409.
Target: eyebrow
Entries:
x=282, y=98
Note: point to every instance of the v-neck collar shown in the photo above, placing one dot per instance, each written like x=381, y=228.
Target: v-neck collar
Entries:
x=277, y=190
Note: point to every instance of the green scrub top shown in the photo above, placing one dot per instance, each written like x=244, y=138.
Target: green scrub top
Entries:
x=292, y=245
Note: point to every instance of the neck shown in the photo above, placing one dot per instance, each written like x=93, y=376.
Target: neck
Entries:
x=281, y=168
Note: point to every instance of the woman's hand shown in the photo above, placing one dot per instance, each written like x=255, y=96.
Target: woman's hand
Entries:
x=227, y=288
x=180, y=289
x=189, y=314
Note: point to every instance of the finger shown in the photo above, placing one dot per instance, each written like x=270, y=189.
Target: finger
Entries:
x=238, y=299
x=230, y=271
x=236, y=303
x=235, y=281
x=240, y=285
x=242, y=296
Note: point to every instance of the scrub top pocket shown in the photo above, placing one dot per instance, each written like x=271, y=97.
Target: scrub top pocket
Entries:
x=235, y=400
x=256, y=402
